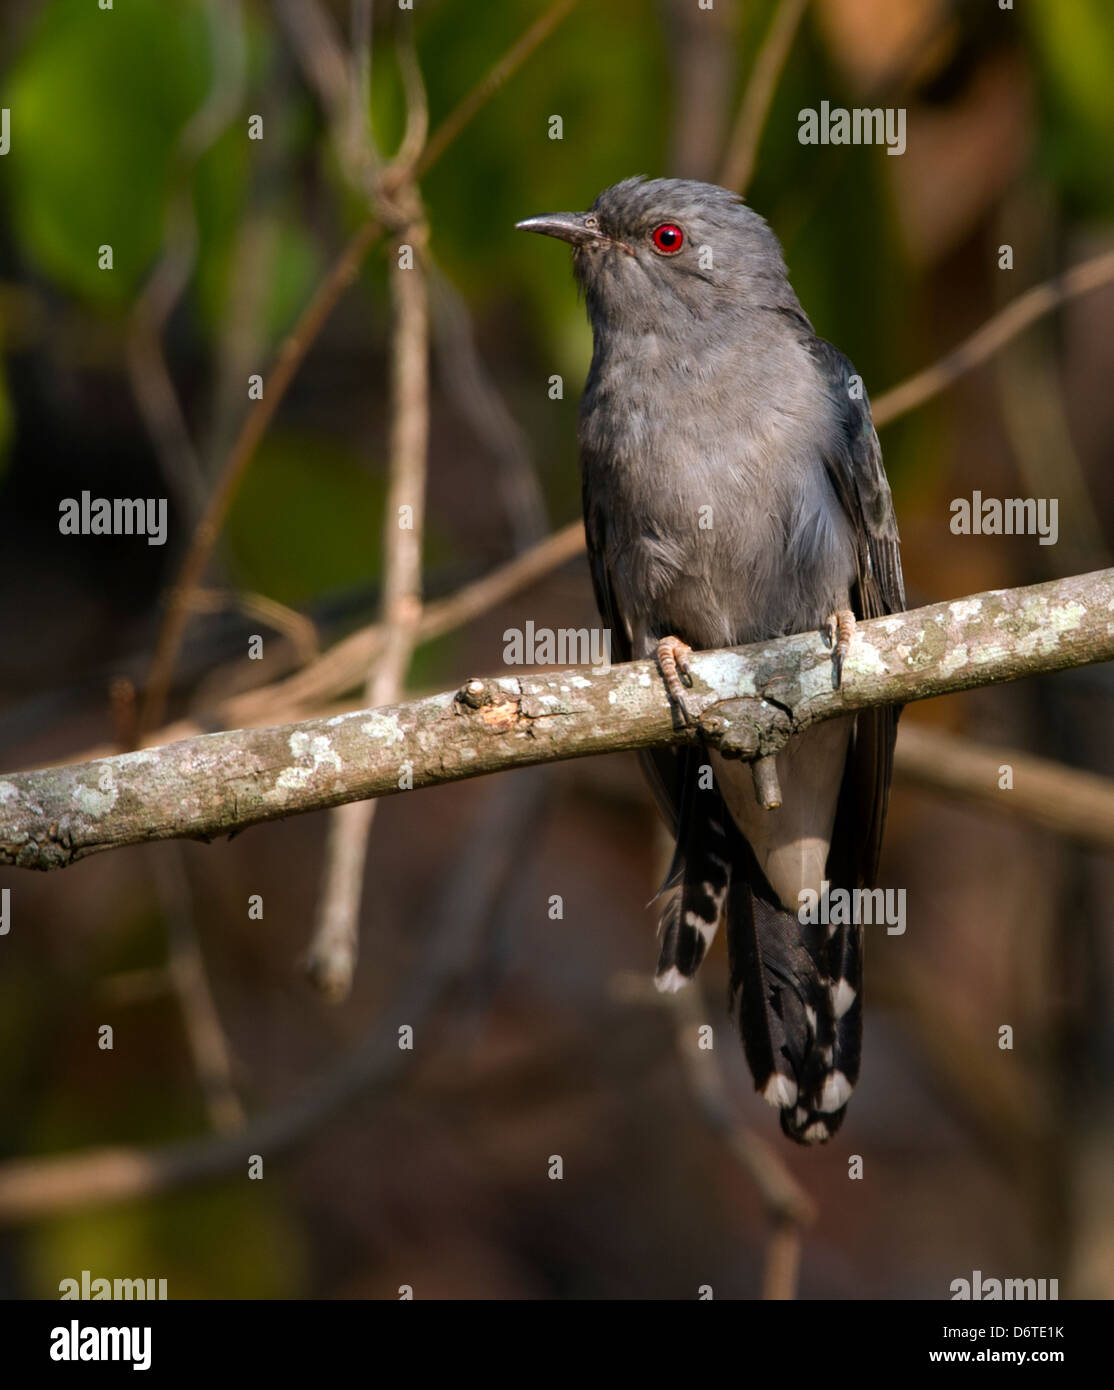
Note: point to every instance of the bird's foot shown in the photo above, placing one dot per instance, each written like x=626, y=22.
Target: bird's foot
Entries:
x=673, y=663
x=841, y=629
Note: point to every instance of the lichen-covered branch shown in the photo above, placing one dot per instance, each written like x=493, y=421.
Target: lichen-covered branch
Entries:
x=746, y=701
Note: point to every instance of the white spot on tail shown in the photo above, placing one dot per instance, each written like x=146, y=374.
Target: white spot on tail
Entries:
x=780, y=1091
x=670, y=981
x=835, y=1094
x=843, y=996
x=706, y=929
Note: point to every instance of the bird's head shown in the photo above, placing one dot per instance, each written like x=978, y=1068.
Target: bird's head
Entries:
x=655, y=255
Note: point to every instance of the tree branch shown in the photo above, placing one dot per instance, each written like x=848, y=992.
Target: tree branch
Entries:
x=1065, y=800
x=746, y=702
x=992, y=336
x=742, y=148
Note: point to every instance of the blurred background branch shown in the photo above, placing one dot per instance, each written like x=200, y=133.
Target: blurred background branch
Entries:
x=331, y=957
x=31, y=1188
x=746, y=134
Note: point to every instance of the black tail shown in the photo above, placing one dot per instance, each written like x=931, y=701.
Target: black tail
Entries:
x=696, y=885
x=796, y=990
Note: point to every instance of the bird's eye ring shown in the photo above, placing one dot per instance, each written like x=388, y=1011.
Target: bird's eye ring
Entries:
x=592, y=222
x=667, y=239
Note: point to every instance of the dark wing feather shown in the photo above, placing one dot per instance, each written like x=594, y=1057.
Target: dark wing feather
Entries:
x=855, y=468
x=665, y=769
x=595, y=532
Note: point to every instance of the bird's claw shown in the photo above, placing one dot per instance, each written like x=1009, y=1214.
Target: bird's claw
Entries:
x=673, y=663
x=841, y=629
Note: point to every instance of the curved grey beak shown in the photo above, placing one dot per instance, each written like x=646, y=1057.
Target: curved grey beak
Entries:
x=568, y=226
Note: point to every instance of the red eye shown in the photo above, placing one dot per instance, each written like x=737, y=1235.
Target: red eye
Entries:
x=668, y=239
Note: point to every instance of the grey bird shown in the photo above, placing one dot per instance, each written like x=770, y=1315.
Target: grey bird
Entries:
x=733, y=492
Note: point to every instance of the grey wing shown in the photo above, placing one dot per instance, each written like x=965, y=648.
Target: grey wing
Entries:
x=697, y=881
x=596, y=534
x=854, y=465
x=665, y=769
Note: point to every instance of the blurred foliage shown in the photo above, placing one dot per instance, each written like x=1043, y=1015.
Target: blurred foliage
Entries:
x=610, y=89
x=1074, y=49
x=100, y=99
x=208, y=1242
x=301, y=491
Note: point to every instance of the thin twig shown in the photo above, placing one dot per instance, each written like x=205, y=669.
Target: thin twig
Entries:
x=331, y=958
x=318, y=47
x=122, y=703
x=1039, y=791
x=342, y=667
x=783, y=1262
x=482, y=93
x=742, y=147
x=361, y=42
x=205, y=1035
x=994, y=334
x=298, y=629
x=151, y=381
x=417, y=107
x=467, y=383
x=339, y=82
x=1030, y=390
x=344, y=664
x=290, y=358
x=703, y=53
x=35, y=1187
x=786, y=1204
